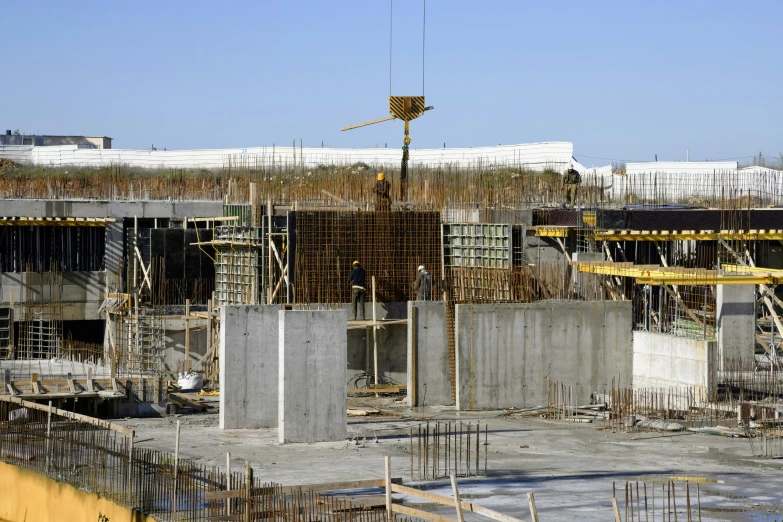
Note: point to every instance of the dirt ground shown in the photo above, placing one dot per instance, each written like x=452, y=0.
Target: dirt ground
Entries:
x=569, y=467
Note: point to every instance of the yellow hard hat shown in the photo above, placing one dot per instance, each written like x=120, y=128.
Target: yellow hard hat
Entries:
x=355, y=263
x=381, y=177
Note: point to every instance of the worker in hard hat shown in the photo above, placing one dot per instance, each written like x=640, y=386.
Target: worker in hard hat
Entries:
x=571, y=181
x=358, y=288
x=382, y=192
x=423, y=285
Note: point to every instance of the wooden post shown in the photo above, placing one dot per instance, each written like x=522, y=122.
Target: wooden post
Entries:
x=457, y=502
x=368, y=356
x=616, y=509
x=414, y=356
x=209, y=327
x=187, y=335
x=248, y=492
x=228, y=481
x=176, y=474
x=269, y=246
x=374, y=333
x=48, y=433
x=532, y=503
x=389, y=515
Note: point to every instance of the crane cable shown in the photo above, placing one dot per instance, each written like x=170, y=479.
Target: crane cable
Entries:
x=423, y=34
x=423, y=41
x=391, y=22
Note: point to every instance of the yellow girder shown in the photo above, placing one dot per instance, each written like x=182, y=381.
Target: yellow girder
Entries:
x=54, y=222
x=547, y=231
x=658, y=275
x=685, y=235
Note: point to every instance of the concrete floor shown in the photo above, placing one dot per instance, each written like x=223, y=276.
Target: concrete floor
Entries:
x=569, y=467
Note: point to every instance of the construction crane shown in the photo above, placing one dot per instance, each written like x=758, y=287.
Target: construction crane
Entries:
x=405, y=108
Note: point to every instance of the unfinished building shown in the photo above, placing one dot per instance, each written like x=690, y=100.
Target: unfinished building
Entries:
x=652, y=281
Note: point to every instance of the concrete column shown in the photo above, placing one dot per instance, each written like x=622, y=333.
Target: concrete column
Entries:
x=313, y=353
x=432, y=378
x=735, y=322
x=249, y=369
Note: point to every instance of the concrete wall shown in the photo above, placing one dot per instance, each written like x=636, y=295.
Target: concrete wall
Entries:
x=115, y=209
x=82, y=292
x=312, y=376
x=507, y=354
x=663, y=360
x=174, y=349
x=249, y=351
x=735, y=322
x=433, y=384
x=392, y=344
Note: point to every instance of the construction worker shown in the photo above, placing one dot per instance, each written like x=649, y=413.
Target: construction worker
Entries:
x=382, y=192
x=423, y=285
x=358, y=288
x=571, y=181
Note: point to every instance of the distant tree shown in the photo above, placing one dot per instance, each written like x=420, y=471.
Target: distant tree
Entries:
x=17, y=133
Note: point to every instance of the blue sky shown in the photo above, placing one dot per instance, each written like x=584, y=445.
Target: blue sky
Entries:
x=622, y=80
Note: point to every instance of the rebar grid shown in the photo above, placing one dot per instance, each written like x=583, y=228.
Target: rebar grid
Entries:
x=389, y=245
x=100, y=457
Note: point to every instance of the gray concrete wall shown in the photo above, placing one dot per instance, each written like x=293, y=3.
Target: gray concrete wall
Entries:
x=115, y=209
x=249, y=370
x=174, y=349
x=392, y=342
x=433, y=385
x=312, y=378
x=735, y=322
x=82, y=292
x=392, y=354
x=663, y=361
x=507, y=354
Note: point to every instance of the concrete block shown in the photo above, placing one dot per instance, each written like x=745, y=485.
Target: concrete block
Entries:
x=312, y=376
x=735, y=322
x=249, y=367
x=433, y=385
x=662, y=361
x=507, y=354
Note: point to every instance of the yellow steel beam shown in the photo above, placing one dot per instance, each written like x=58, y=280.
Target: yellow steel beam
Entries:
x=54, y=222
x=546, y=231
x=751, y=269
x=685, y=235
x=658, y=275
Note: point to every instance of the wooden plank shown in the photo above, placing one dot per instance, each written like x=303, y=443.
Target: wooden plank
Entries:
x=338, y=486
x=362, y=502
x=447, y=501
x=68, y=414
x=418, y=513
x=225, y=517
x=231, y=493
x=185, y=401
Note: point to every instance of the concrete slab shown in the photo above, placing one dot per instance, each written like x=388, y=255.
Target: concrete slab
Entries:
x=433, y=384
x=249, y=366
x=507, y=354
x=313, y=375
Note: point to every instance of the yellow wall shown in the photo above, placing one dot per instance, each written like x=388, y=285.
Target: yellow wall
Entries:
x=26, y=496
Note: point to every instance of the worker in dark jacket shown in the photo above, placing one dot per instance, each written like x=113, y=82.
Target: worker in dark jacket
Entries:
x=358, y=288
x=423, y=285
x=382, y=193
x=571, y=181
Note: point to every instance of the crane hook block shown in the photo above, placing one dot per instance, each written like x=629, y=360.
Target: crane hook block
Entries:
x=406, y=108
